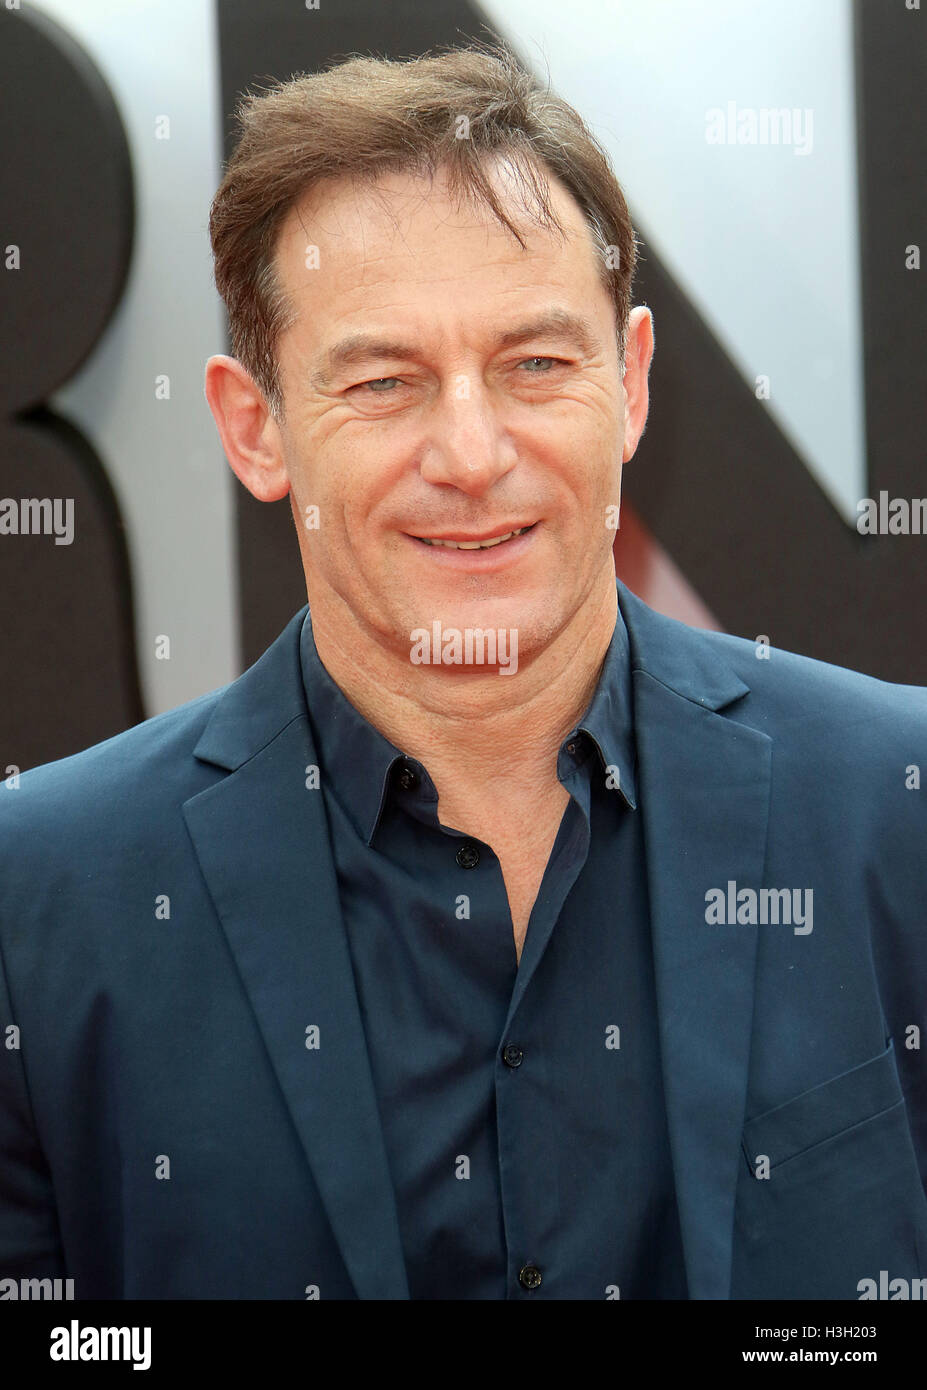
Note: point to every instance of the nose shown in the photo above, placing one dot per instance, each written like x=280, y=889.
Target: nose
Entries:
x=468, y=446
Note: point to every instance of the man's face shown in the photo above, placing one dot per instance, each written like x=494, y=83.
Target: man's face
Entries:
x=440, y=382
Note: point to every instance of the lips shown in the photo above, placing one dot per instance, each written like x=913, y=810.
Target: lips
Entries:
x=474, y=542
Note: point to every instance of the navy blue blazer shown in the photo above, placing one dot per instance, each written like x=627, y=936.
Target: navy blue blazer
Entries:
x=170, y=929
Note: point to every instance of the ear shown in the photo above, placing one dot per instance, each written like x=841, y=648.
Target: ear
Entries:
x=638, y=352
x=249, y=433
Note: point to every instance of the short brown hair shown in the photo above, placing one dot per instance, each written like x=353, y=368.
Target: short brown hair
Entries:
x=367, y=116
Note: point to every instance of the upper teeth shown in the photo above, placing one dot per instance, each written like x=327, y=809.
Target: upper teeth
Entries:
x=475, y=545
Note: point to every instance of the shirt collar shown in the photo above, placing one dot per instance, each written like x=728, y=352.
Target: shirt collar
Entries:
x=609, y=722
x=358, y=761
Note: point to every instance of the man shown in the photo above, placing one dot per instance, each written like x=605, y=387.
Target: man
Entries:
x=493, y=936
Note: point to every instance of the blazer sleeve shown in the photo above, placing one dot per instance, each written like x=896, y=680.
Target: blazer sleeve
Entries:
x=30, y=1244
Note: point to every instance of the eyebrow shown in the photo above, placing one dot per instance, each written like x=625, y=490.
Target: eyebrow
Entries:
x=362, y=347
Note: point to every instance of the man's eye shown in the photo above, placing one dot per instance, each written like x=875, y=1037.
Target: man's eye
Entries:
x=376, y=385
x=553, y=361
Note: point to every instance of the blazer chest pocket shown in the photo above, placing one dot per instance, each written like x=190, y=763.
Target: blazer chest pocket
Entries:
x=830, y=1191
x=825, y=1112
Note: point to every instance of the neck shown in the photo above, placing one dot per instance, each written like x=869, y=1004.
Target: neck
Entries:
x=464, y=726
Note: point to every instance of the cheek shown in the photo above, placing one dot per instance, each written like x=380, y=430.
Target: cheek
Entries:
x=330, y=478
x=373, y=481
x=592, y=477
x=345, y=480
x=361, y=518
x=589, y=445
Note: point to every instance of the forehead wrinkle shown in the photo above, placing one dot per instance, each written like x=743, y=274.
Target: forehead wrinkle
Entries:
x=513, y=262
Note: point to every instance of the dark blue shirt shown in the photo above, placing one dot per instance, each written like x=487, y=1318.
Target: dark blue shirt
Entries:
x=522, y=1104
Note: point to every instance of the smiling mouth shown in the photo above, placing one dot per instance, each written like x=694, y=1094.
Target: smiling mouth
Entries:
x=476, y=545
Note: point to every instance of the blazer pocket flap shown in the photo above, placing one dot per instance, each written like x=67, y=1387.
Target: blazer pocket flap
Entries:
x=825, y=1111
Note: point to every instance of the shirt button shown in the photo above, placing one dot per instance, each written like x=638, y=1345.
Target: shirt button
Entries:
x=407, y=779
x=468, y=856
x=571, y=748
x=529, y=1277
x=513, y=1055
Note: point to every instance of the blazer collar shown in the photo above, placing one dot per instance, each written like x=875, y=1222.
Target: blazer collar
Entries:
x=262, y=841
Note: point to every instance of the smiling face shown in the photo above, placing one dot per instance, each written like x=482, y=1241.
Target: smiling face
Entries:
x=442, y=383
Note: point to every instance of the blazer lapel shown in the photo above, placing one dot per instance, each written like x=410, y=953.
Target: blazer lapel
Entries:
x=261, y=837
x=704, y=783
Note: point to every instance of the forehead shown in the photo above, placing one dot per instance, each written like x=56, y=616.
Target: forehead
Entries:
x=348, y=239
